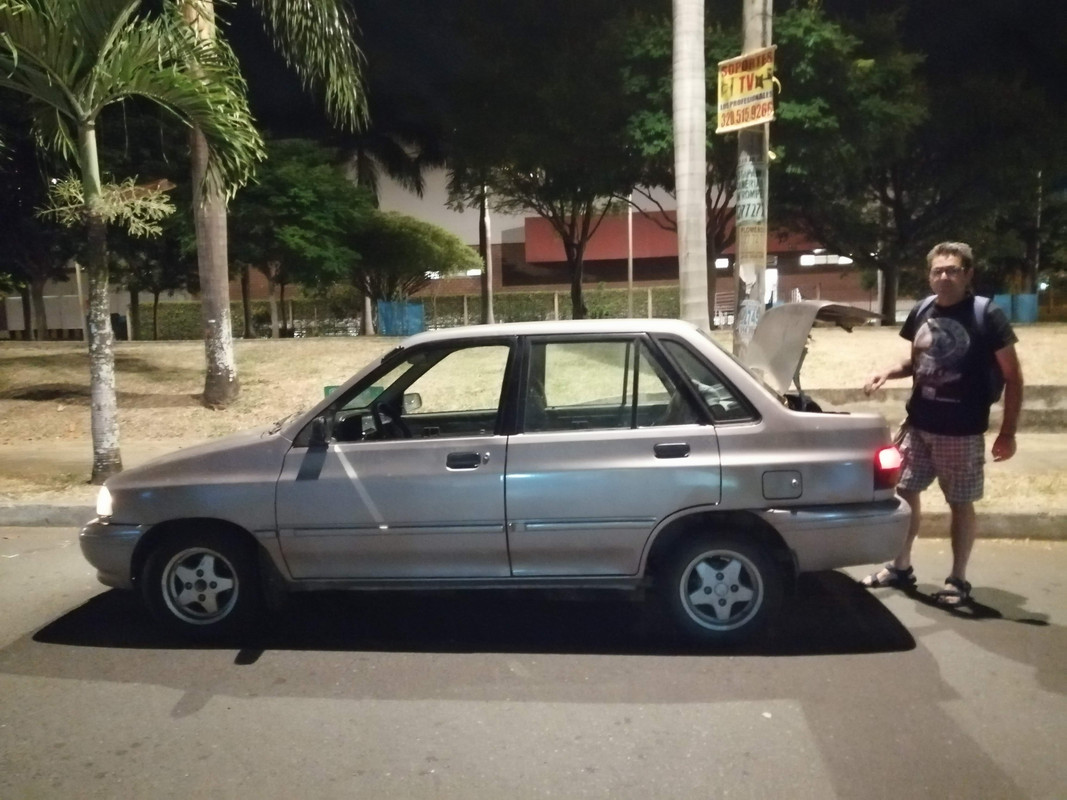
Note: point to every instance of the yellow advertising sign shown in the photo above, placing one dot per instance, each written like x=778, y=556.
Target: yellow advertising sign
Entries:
x=746, y=90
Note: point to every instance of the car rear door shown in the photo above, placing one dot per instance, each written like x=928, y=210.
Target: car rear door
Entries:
x=609, y=445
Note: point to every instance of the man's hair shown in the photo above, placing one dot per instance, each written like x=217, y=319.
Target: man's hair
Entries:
x=959, y=249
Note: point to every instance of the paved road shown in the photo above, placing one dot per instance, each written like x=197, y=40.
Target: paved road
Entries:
x=479, y=695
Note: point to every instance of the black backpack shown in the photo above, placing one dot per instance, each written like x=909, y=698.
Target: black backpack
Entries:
x=995, y=380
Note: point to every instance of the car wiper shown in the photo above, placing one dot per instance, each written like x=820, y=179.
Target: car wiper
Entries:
x=277, y=426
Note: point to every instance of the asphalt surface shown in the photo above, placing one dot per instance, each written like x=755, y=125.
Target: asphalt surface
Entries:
x=1039, y=454
x=484, y=695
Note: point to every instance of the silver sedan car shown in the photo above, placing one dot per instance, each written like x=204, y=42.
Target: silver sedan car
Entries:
x=608, y=453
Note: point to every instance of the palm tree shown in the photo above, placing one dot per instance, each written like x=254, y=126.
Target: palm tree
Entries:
x=316, y=39
x=73, y=58
x=690, y=134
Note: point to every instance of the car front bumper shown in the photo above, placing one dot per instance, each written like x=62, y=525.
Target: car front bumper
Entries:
x=829, y=537
x=109, y=548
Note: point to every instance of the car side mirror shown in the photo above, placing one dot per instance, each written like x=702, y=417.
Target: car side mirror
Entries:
x=320, y=432
x=412, y=402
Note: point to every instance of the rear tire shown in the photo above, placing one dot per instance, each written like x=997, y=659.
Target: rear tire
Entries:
x=203, y=585
x=722, y=589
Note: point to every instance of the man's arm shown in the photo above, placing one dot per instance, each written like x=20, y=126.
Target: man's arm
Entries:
x=902, y=369
x=1011, y=369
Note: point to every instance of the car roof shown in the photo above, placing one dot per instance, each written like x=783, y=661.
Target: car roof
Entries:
x=554, y=327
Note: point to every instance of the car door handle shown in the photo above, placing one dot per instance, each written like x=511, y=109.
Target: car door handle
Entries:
x=671, y=450
x=463, y=460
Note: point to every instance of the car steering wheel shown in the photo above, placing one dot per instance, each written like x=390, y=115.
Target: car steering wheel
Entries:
x=386, y=419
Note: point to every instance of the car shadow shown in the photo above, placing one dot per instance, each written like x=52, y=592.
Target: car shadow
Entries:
x=829, y=613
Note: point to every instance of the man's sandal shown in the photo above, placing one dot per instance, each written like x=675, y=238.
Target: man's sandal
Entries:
x=890, y=576
x=956, y=592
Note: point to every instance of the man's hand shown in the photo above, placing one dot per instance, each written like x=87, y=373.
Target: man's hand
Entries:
x=878, y=379
x=1003, y=447
x=875, y=382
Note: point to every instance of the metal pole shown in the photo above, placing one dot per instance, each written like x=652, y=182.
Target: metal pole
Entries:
x=630, y=255
x=486, y=241
x=750, y=266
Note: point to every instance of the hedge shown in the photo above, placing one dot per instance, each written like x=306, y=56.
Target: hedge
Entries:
x=340, y=314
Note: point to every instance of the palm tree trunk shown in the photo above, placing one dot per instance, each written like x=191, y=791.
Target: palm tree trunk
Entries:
x=103, y=414
x=221, y=386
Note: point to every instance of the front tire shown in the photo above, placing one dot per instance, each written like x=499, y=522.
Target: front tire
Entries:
x=722, y=589
x=203, y=585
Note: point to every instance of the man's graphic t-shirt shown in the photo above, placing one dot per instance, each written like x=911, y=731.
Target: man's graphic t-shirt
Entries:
x=951, y=356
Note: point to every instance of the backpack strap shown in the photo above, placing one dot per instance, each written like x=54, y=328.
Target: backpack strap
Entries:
x=981, y=305
x=924, y=306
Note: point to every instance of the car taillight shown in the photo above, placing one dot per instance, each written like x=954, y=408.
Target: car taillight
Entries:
x=887, y=465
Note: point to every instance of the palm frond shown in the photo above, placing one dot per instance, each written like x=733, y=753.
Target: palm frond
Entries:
x=317, y=40
x=73, y=58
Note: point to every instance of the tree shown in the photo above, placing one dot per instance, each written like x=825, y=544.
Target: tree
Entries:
x=153, y=265
x=294, y=222
x=849, y=107
x=398, y=254
x=71, y=59
x=33, y=250
x=542, y=123
x=905, y=150
x=138, y=139
x=316, y=39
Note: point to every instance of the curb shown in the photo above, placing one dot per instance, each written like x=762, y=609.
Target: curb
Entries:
x=935, y=525
x=45, y=516
x=1039, y=527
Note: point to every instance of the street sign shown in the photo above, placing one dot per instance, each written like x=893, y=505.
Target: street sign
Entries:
x=746, y=90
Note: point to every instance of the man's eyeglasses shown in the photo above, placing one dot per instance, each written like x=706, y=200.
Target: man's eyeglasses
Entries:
x=948, y=272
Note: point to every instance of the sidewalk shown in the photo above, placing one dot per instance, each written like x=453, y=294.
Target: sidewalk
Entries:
x=66, y=464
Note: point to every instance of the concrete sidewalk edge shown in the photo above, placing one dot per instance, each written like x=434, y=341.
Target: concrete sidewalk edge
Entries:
x=1040, y=526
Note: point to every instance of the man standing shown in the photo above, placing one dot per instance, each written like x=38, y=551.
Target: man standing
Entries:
x=957, y=344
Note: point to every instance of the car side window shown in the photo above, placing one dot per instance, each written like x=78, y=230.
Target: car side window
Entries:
x=724, y=403
x=588, y=385
x=437, y=393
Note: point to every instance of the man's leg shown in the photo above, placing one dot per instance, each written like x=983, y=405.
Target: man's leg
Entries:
x=964, y=529
x=903, y=559
x=916, y=475
x=962, y=476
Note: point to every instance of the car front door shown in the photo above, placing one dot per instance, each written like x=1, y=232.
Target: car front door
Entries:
x=407, y=477
x=609, y=446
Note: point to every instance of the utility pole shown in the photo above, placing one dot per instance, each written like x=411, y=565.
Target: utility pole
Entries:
x=750, y=267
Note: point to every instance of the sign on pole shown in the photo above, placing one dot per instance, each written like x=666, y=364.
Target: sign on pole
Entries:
x=746, y=90
x=750, y=217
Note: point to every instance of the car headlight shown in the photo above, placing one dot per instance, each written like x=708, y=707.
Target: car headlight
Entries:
x=103, y=503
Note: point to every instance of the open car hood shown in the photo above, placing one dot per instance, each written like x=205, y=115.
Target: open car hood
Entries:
x=780, y=341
